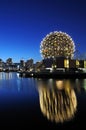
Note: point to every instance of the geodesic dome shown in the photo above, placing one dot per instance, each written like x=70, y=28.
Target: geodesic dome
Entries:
x=57, y=44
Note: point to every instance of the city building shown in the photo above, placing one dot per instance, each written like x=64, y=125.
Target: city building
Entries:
x=57, y=50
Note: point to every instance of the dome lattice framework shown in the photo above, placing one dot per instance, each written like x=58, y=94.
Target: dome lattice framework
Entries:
x=57, y=44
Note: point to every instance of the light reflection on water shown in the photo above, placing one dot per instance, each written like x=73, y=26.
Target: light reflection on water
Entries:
x=60, y=100
x=57, y=99
x=11, y=83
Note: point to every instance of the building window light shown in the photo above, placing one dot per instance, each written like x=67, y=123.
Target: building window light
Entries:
x=66, y=63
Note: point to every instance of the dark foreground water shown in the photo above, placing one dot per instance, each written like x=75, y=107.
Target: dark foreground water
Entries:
x=42, y=103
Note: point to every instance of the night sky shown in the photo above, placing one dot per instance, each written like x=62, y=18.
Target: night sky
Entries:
x=24, y=23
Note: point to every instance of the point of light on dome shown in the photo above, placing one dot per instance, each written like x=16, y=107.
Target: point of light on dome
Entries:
x=56, y=44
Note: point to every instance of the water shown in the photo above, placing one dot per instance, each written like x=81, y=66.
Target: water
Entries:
x=42, y=103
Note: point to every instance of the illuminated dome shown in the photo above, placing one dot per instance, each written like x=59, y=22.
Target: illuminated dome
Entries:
x=57, y=44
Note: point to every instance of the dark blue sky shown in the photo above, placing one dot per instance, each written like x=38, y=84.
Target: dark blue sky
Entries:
x=23, y=24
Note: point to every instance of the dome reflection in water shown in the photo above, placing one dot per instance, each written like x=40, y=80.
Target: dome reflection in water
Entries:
x=57, y=100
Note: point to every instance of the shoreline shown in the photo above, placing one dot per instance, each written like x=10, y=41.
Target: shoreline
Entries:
x=53, y=74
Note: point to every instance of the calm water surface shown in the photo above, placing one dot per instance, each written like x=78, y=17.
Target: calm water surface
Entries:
x=43, y=103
